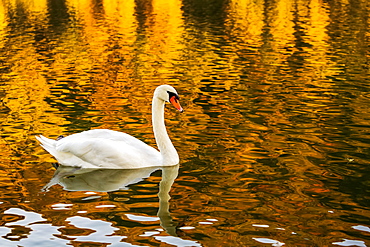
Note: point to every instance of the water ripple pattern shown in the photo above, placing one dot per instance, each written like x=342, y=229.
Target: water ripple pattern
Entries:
x=274, y=141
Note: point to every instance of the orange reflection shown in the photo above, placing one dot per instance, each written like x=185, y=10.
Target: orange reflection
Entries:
x=317, y=36
x=3, y=24
x=245, y=20
x=163, y=47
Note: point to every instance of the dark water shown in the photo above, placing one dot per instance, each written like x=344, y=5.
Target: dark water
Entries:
x=274, y=141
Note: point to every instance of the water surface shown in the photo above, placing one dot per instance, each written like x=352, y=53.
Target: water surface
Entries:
x=274, y=141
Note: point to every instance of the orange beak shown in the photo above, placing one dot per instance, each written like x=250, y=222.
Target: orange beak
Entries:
x=175, y=102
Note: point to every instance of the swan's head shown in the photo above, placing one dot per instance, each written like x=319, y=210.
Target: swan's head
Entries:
x=168, y=94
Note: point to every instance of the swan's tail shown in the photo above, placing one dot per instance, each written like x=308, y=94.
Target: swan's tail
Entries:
x=47, y=144
x=64, y=158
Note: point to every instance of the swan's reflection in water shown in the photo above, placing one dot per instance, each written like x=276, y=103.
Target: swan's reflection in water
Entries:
x=105, y=180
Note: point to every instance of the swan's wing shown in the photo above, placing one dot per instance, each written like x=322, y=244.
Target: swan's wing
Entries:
x=109, y=149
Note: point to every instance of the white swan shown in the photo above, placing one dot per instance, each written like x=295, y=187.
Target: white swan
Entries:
x=112, y=149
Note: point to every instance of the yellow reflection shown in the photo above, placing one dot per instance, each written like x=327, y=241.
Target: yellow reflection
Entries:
x=245, y=20
x=123, y=12
x=110, y=39
x=282, y=22
x=281, y=28
x=84, y=12
x=164, y=29
x=24, y=85
x=3, y=25
x=28, y=111
x=126, y=29
x=317, y=36
x=167, y=26
x=38, y=7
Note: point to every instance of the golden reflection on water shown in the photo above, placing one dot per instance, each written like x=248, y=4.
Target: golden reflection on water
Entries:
x=273, y=141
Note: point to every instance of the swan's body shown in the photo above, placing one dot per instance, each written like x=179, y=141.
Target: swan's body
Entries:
x=112, y=149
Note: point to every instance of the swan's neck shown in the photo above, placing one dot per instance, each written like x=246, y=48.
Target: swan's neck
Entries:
x=165, y=146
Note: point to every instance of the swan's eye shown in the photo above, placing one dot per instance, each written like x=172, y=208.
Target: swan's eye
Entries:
x=171, y=94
